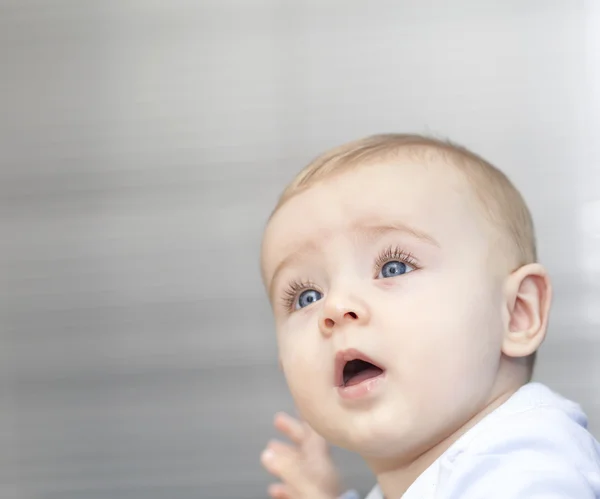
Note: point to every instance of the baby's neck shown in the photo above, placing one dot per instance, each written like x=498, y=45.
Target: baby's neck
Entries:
x=396, y=475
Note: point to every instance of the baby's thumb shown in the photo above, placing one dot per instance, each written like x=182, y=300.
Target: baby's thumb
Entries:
x=314, y=441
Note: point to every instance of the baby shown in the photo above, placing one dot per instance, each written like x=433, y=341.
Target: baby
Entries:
x=409, y=306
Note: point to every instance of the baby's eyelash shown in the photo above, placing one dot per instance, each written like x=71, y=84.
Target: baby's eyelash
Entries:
x=390, y=254
x=293, y=289
x=394, y=253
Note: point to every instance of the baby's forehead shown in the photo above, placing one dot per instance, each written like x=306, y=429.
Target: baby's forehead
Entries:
x=431, y=199
x=405, y=188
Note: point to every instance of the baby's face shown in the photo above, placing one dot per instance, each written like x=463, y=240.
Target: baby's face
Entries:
x=390, y=265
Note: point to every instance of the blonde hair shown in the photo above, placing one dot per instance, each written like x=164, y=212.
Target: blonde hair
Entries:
x=501, y=201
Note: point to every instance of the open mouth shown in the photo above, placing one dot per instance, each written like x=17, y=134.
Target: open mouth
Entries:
x=356, y=371
x=353, y=367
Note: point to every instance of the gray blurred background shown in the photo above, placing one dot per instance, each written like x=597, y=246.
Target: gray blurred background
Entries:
x=142, y=146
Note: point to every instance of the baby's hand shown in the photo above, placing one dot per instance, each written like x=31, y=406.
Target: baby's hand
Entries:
x=305, y=467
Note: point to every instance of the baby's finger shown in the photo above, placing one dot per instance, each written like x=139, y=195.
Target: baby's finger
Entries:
x=280, y=491
x=315, y=443
x=283, y=461
x=290, y=427
x=278, y=458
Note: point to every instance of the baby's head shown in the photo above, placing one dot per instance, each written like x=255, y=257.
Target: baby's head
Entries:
x=417, y=258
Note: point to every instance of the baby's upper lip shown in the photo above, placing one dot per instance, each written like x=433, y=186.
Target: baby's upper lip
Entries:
x=345, y=356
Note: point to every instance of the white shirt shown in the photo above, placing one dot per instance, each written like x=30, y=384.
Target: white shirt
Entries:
x=534, y=446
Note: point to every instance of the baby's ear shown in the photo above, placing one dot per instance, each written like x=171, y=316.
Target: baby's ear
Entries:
x=528, y=295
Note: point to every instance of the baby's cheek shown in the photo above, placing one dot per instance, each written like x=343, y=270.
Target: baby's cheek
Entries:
x=306, y=382
x=298, y=367
x=306, y=396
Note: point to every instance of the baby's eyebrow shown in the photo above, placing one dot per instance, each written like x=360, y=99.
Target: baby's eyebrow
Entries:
x=379, y=227
x=297, y=254
x=367, y=227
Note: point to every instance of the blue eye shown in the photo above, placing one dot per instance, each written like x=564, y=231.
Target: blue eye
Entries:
x=393, y=269
x=307, y=298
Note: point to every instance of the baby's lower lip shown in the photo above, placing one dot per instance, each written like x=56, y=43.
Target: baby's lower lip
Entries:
x=361, y=390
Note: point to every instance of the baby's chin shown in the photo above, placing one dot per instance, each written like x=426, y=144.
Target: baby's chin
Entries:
x=381, y=445
x=368, y=435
